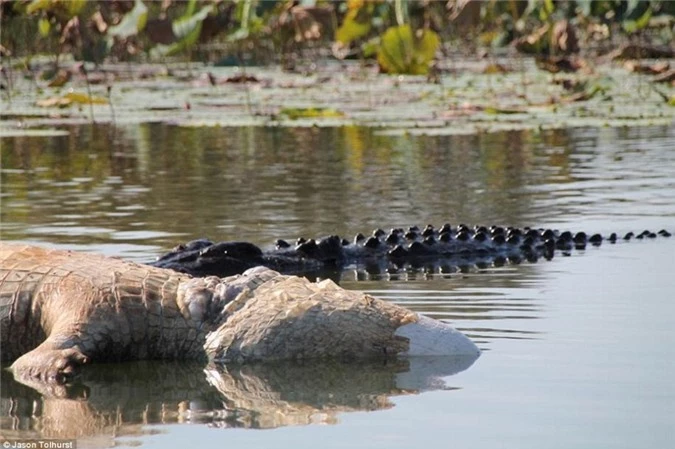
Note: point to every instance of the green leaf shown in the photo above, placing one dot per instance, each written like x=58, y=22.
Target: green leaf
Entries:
x=43, y=27
x=351, y=30
x=38, y=5
x=401, y=11
x=403, y=52
x=356, y=24
x=69, y=99
x=245, y=11
x=298, y=113
x=370, y=47
x=239, y=35
x=192, y=4
x=546, y=10
x=132, y=23
x=84, y=99
x=189, y=27
x=187, y=30
x=631, y=7
x=631, y=26
x=495, y=110
x=75, y=6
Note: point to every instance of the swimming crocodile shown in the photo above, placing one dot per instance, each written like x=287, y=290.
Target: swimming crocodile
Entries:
x=446, y=249
x=61, y=309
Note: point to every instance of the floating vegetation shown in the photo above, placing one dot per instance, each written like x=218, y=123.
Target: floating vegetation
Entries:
x=464, y=100
x=70, y=99
x=396, y=64
x=298, y=113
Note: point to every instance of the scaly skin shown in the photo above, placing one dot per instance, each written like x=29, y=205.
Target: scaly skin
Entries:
x=444, y=247
x=61, y=309
x=308, y=320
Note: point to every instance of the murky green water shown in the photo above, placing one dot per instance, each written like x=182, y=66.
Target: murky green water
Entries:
x=577, y=352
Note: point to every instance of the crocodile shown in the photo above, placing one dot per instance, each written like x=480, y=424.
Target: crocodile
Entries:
x=62, y=309
x=444, y=249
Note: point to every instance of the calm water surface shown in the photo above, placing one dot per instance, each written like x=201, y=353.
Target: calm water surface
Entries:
x=577, y=352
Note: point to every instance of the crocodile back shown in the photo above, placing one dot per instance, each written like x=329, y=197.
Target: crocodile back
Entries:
x=22, y=272
x=41, y=288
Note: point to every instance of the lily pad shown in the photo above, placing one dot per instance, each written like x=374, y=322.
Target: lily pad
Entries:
x=298, y=113
x=401, y=51
x=69, y=99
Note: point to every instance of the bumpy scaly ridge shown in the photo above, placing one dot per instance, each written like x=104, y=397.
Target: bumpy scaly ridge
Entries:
x=391, y=251
x=290, y=317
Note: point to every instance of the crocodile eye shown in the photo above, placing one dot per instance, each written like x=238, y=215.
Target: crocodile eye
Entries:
x=280, y=244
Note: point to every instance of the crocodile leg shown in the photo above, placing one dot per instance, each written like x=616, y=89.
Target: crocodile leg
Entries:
x=53, y=361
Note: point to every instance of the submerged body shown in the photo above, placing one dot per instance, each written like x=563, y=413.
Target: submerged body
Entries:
x=445, y=248
x=61, y=309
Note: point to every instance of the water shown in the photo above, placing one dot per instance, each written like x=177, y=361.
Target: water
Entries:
x=577, y=352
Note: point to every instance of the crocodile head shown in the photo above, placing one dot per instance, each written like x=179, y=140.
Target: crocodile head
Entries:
x=205, y=258
x=288, y=317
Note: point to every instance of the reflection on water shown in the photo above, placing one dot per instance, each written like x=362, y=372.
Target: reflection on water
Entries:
x=485, y=305
x=117, y=399
x=142, y=189
x=576, y=351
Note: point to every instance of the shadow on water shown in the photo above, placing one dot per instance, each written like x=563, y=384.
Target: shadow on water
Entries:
x=124, y=397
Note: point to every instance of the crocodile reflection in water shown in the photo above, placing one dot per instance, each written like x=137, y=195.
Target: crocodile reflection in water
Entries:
x=115, y=399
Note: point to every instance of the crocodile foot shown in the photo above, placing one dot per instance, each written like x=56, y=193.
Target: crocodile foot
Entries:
x=52, y=366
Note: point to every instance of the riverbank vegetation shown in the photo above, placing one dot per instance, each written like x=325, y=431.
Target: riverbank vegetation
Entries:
x=401, y=36
x=534, y=63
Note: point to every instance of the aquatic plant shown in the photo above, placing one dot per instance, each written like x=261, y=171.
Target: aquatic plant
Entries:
x=214, y=29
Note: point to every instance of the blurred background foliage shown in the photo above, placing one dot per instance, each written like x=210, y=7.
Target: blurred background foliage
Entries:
x=401, y=36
